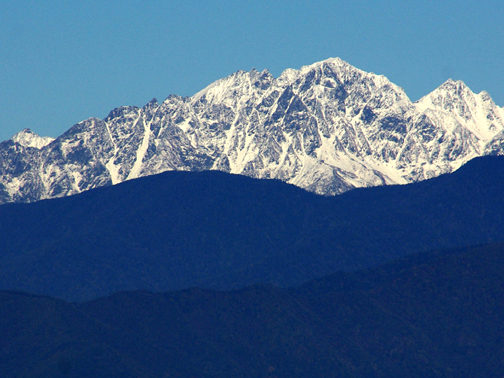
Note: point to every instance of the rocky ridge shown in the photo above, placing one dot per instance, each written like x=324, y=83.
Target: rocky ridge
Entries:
x=328, y=127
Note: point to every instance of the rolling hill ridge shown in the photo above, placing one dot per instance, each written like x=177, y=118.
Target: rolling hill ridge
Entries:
x=216, y=230
x=439, y=316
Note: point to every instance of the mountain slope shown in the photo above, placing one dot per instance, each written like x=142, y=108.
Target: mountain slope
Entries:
x=438, y=315
x=328, y=127
x=181, y=229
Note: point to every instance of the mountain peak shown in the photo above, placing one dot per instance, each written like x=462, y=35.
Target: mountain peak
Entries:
x=454, y=84
x=449, y=89
x=477, y=112
x=28, y=138
x=451, y=81
x=333, y=61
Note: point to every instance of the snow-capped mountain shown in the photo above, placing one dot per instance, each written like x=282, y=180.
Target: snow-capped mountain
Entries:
x=27, y=138
x=328, y=127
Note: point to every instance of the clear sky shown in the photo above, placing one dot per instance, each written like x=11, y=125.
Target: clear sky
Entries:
x=64, y=61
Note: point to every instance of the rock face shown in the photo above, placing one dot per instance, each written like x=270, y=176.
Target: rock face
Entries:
x=328, y=127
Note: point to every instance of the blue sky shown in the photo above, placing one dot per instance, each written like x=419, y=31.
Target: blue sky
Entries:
x=65, y=61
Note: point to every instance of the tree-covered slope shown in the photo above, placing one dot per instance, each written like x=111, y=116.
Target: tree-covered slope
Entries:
x=429, y=315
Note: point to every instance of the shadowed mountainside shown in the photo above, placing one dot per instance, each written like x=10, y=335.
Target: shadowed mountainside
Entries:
x=430, y=315
x=215, y=230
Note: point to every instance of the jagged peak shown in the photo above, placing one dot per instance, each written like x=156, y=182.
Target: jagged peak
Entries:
x=151, y=104
x=449, y=89
x=174, y=97
x=28, y=138
x=263, y=75
x=457, y=88
x=290, y=74
x=117, y=112
x=265, y=72
x=25, y=131
x=340, y=68
x=287, y=77
x=451, y=83
x=338, y=62
x=226, y=86
x=339, y=65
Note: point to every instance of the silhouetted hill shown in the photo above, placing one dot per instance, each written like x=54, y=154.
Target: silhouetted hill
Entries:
x=210, y=229
x=435, y=315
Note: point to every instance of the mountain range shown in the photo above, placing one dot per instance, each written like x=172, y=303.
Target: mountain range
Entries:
x=328, y=127
x=425, y=316
x=215, y=230
x=148, y=244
